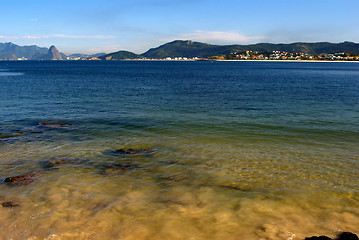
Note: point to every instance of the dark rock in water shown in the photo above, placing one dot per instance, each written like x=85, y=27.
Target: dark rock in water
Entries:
x=50, y=164
x=347, y=236
x=53, y=125
x=16, y=162
x=80, y=139
x=233, y=187
x=99, y=206
x=19, y=138
x=177, y=177
x=27, y=130
x=118, y=168
x=24, y=179
x=130, y=151
x=10, y=137
x=4, y=136
x=318, y=238
x=9, y=204
x=341, y=236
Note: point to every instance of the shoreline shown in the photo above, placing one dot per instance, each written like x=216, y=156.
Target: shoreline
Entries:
x=165, y=60
x=253, y=60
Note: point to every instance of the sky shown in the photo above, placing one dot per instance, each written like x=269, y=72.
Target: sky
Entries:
x=94, y=26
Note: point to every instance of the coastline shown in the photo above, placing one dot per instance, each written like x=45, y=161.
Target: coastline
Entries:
x=190, y=60
x=281, y=61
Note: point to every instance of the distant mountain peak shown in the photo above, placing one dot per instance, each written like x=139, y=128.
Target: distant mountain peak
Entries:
x=53, y=54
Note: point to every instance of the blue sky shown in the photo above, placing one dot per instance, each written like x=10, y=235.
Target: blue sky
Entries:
x=91, y=26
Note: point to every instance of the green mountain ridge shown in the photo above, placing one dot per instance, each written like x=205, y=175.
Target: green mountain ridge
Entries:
x=120, y=55
x=190, y=49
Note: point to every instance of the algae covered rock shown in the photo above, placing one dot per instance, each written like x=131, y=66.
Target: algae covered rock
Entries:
x=22, y=179
x=118, y=168
x=129, y=151
x=49, y=164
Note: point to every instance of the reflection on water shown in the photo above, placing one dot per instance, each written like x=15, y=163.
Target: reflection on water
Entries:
x=114, y=160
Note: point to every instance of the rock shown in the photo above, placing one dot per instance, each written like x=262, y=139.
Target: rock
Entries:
x=233, y=187
x=177, y=177
x=52, y=54
x=53, y=125
x=9, y=204
x=130, y=151
x=4, y=136
x=80, y=139
x=50, y=164
x=347, y=236
x=24, y=179
x=16, y=162
x=318, y=238
x=341, y=236
x=10, y=137
x=118, y=168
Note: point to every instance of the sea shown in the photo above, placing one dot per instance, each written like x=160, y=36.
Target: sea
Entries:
x=178, y=150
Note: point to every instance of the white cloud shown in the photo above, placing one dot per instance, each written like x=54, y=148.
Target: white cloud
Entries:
x=34, y=19
x=58, y=36
x=218, y=37
x=30, y=37
x=9, y=37
x=80, y=36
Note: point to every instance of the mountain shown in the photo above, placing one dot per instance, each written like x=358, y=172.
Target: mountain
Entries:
x=11, y=51
x=52, y=54
x=192, y=49
x=178, y=48
x=188, y=49
x=120, y=55
x=81, y=55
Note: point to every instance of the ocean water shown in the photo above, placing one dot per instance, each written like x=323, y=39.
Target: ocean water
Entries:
x=231, y=150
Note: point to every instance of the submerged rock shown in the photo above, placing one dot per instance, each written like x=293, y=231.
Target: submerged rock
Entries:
x=234, y=187
x=4, y=136
x=53, y=125
x=11, y=137
x=80, y=139
x=130, y=151
x=341, y=236
x=50, y=164
x=347, y=236
x=118, y=168
x=23, y=179
x=16, y=162
x=318, y=238
x=177, y=177
x=9, y=204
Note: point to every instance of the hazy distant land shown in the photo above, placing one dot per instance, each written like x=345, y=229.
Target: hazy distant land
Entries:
x=189, y=50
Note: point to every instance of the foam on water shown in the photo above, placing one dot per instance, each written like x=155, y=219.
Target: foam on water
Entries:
x=7, y=73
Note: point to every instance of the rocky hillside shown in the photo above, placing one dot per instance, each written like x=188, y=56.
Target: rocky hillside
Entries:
x=52, y=54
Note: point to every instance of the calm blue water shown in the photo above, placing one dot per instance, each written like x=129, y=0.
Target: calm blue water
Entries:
x=275, y=143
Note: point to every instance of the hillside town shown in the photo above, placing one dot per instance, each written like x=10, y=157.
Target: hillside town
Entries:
x=282, y=55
